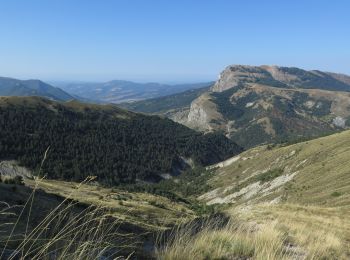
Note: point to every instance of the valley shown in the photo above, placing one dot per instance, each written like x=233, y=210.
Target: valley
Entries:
x=281, y=201
x=174, y=130
x=254, y=166
x=119, y=91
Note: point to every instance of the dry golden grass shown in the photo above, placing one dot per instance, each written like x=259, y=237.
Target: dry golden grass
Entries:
x=64, y=233
x=310, y=220
x=142, y=209
x=320, y=170
x=321, y=233
x=234, y=240
x=265, y=232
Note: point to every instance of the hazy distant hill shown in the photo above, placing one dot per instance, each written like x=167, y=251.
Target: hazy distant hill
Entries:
x=118, y=91
x=15, y=87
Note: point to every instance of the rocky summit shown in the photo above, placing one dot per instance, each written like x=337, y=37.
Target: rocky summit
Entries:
x=257, y=104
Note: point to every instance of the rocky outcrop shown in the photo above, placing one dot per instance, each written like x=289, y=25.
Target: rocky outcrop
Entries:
x=286, y=77
x=203, y=114
x=179, y=116
x=11, y=169
x=257, y=104
x=236, y=75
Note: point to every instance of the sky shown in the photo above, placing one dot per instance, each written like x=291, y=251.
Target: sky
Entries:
x=168, y=40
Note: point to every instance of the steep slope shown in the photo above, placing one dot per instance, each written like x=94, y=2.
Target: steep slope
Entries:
x=256, y=105
x=15, y=87
x=283, y=202
x=101, y=140
x=118, y=91
x=314, y=172
x=284, y=77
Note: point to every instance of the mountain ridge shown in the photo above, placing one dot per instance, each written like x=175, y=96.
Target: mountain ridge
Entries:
x=256, y=105
x=278, y=76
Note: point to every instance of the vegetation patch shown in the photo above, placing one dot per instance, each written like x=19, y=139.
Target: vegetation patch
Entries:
x=336, y=194
x=163, y=104
x=269, y=175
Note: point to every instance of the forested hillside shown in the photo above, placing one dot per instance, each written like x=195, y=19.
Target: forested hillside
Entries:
x=168, y=104
x=115, y=145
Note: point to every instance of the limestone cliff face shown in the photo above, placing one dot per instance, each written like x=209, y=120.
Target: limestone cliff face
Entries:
x=282, y=77
x=266, y=103
x=11, y=169
x=179, y=116
x=232, y=76
x=203, y=113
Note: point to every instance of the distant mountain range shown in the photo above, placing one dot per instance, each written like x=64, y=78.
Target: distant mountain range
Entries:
x=118, y=91
x=15, y=87
x=260, y=104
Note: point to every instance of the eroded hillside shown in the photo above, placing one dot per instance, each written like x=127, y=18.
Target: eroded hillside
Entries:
x=313, y=172
x=282, y=202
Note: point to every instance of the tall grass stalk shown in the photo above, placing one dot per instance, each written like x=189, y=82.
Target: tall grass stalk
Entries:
x=68, y=231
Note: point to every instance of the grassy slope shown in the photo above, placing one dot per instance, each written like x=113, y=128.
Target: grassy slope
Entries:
x=289, y=202
x=141, y=209
x=130, y=219
x=320, y=168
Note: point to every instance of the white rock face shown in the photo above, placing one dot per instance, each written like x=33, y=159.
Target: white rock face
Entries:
x=236, y=75
x=249, y=104
x=225, y=163
x=198, y=116
x=180, y=116
x=339, y=122
x=11, y=169
x=233, y=75
x=309, y=103
x=202, y=112
x=255, y=189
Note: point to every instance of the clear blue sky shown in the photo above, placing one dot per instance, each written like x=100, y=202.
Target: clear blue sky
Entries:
x=169, y=41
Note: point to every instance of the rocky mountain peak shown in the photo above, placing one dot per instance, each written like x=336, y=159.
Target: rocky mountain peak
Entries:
x=283, y=77
x=236, y=75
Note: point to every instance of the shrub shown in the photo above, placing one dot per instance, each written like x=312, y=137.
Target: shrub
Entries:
x=18, y=180
x=336, y=194
x=269, y=175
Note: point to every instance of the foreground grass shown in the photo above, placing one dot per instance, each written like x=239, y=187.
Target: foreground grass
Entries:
x=145, y=210
x=266, y=231
x=67, y=231
x=233, y=241
x=49, y=219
